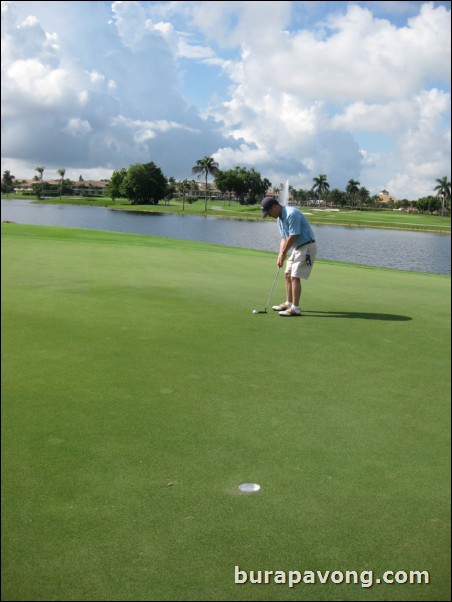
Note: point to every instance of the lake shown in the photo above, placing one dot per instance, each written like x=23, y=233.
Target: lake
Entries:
x=394, y=249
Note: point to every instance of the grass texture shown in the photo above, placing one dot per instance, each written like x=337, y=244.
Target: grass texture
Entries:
x=139, y=391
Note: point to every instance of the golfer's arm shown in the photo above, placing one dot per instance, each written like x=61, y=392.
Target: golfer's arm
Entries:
x=285, y=245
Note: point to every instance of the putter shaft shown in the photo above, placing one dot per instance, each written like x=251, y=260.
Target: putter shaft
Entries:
x=271, y=290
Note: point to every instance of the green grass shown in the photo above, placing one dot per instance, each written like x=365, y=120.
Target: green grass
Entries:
x=139, y=391
x=387, y=219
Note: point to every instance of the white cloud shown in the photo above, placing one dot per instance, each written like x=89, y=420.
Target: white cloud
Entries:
x=148, y=130
x=36, y=83
x=130, y=20
x=396, y=116
x=303, y=90
x=77, y=127
x=111, y=102
x=295, y=93
x=96, y=77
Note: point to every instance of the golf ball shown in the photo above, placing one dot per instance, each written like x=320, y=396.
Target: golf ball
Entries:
x=254, y=311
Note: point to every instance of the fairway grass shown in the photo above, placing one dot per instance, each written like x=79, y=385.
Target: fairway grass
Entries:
x=139, y=391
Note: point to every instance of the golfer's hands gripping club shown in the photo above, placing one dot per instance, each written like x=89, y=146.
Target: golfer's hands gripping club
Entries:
x=284, y=246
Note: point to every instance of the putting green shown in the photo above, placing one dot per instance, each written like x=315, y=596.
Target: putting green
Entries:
x=139, y=391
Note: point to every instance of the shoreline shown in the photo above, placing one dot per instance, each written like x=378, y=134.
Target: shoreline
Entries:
x=216, y=212
x=312, y=221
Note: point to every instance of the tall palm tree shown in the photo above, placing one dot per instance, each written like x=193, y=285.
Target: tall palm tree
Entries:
x=40, y=170
x=61, y=171
x=443, y=191
x=352, y=189
x=320, y=185
x=206, y=166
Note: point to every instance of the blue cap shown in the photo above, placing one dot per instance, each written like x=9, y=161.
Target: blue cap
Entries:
x=266, y=204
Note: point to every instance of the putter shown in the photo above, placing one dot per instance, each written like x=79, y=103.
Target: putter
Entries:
x=264, y=311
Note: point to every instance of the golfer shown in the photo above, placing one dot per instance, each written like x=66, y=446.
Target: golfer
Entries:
x=296, y=236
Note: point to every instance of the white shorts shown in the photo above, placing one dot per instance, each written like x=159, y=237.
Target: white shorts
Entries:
x=297, y=266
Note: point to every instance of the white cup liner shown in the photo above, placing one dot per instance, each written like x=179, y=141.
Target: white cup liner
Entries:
x=249, y=487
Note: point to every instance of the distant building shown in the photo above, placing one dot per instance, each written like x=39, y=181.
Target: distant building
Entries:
x=212, y=190
x=385, y=197
x=83, y=188
x=272, y=191
x=89, y=188
x=24, y=185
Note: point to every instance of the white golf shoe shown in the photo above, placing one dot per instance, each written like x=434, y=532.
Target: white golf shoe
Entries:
x=280, y=307
x=289, y=313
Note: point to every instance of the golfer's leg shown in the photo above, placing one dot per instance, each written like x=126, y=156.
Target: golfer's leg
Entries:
x=288, y=287
x=296, y=291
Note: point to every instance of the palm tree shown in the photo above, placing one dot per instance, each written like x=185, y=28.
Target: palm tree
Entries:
x=352, y=189
x=184, y=186
x=443, y=189
x=61, y=171
x=363, y=195
x=206, y=166
x=170, y=189
x=40, y=170
x=194, y=188
x=320, y=185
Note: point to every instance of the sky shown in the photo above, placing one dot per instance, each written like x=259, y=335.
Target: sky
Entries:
x=352, y=90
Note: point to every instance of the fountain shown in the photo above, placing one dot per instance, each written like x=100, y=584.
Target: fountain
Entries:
x=283, y=198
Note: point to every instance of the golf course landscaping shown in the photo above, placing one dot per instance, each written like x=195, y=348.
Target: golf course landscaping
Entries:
x=139, y=391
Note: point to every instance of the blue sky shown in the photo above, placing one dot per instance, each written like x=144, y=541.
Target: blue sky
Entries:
x=293, y=89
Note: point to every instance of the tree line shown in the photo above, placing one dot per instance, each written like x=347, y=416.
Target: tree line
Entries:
x=145, y=184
